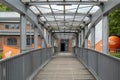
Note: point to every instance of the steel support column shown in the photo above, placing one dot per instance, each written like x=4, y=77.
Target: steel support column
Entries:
x=52, y=40
x=92, y=46
x=43, y=44
x=82, y=38
x=35, y=37
x=47, y=37
x=79, y=39
x=86, y=39
x=105, y=30
x=23, y=33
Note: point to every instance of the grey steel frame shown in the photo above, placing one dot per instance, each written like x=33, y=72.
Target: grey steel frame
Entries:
x=21, y=67
x=103, y=66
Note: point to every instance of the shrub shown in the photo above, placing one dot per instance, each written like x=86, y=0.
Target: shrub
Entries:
x=116, y=55
x=0, y=55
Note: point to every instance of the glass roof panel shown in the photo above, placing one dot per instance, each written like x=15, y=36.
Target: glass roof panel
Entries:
x=85, y=6
x=89, y=0
x=70, y=9
x=50, y=19
x=59, y=17
x=72, y=0
x=57, y=9
x=43, y=19
x=55, y=0
x=38, y=0
x=84, y=9
x=86, y=19
x=78, y=18
x=34, y=9
x=44, y=8
x=69, y=17
x=94, y=9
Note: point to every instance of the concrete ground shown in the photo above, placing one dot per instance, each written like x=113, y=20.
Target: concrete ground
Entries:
x=64, y=66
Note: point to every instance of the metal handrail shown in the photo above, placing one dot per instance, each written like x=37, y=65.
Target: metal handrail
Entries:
x=103, y=66
x=23, y=66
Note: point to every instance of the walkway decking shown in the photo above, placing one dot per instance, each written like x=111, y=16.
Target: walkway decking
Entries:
x=64, y=66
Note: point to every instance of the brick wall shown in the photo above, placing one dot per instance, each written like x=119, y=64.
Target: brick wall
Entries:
x=3, y=38
x=3, y=41
x=70, y=45
x=2, y=26
x=58, y=44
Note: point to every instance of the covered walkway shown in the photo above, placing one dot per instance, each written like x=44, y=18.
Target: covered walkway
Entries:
x=64, y=66
x=57, y=23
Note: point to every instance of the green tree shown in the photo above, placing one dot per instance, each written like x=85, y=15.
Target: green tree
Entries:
x=114, y=22
x=4, y=8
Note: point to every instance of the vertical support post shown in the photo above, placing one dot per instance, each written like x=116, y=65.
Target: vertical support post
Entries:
x=35, y=37
x=47, y=37
x=43, y=45
x=50, y=38
x=92, y=45
x=23, y=33
x=75, y=42
x=23, y=41
x=52, y=41
x=86, y=40
x=82, y=36
x=105, y=30
x=79, y=40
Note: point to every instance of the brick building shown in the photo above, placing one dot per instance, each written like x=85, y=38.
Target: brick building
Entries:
x=10, y=33
x=10, y=30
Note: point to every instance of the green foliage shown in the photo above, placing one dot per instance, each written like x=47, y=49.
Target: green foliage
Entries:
x=114, y=22
x=0, y=55
x=115, y=54
x=4, y=8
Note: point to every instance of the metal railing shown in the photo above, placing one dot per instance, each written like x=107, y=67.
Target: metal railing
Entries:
x=22, y=66
x=104, y=67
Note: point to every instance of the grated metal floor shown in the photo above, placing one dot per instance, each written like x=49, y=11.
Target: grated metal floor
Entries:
x=64, y=66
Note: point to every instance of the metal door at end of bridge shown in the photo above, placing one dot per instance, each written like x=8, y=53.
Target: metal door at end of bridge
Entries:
x=64, y=45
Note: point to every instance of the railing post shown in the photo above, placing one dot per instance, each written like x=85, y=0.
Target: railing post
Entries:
x=23, y=39
x=35, y=37
x=92, y=38
x=105, y=34
x=86, y=40
x=23, y=32
x=82, y=37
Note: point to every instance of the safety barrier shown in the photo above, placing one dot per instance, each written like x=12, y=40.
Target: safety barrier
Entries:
x=22, y=66
x=103, y=66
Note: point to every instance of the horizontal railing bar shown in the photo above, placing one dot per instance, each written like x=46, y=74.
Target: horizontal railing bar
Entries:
x=21, y=54
x=107, y=55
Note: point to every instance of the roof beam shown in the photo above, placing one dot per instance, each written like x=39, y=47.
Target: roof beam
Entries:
x=66, y=14
x=64, y=3
x=61, y=21
x=64, y=32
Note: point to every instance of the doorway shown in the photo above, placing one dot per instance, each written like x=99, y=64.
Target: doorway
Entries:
x=64, y=45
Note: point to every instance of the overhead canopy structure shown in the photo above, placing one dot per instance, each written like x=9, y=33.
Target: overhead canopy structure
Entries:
x=64, y=15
